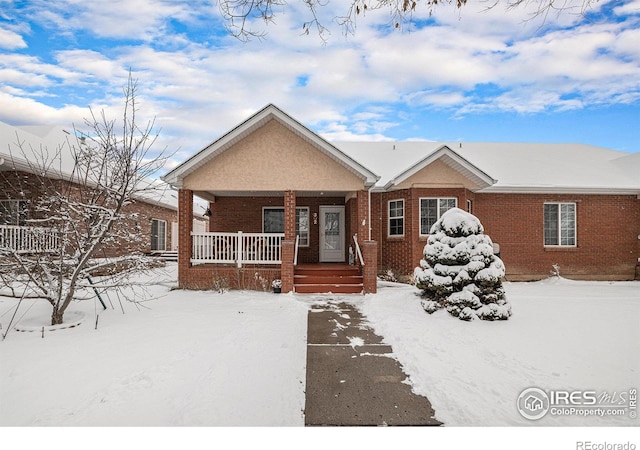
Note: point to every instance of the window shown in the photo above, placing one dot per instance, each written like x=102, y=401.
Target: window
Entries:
x=396, y=218
x=13, y=212
x=158, y=235
x=431, y=209
x=302, y=226
x=560, y=224
x=273, y=222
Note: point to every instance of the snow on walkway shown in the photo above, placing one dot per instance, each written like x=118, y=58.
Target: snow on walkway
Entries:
x=563, y=335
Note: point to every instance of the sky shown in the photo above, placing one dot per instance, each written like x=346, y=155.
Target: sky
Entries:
x=456, y=75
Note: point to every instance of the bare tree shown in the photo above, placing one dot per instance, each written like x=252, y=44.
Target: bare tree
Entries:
x=239, y=14
x=84, y=189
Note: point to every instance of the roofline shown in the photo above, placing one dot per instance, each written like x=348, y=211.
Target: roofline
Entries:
x=177, y=174
x=14, y=163
x=559, y=190
x=434, y=156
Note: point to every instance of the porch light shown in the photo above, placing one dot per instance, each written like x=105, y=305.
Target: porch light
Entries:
x=207, y=213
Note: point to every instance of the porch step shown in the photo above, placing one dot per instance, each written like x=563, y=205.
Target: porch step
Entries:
x=337, y=279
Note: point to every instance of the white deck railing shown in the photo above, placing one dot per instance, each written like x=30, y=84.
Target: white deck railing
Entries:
x=28, y=239
x=236, y=248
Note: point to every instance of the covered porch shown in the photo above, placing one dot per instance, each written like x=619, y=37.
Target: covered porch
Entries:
x=279, y=196
x=280, y=235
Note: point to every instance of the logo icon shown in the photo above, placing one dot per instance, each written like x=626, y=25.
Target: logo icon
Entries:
x=533, y=403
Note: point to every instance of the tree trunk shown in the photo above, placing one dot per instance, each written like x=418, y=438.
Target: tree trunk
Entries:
x=56, y=317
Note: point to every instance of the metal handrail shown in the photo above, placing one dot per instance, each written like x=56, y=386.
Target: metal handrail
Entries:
x=295, y=254
x=358, y=252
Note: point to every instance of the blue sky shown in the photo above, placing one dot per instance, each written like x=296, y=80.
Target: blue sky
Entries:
x=459, y=75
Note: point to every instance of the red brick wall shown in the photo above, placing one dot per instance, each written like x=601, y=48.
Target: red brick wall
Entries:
x=402, y=254
x=608, y=227
x=206, y=277
x=607, y=235
x=232, y=214
x=25, y=186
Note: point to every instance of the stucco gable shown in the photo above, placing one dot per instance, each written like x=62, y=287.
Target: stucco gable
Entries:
x=438, y=175
x=443, y=167
x=272, y=158
x=252, y=125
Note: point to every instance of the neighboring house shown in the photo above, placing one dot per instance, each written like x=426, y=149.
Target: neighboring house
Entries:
x=19, y=188
x=284, y=200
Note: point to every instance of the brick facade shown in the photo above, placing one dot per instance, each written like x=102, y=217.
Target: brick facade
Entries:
x=15, y=185
x=233, y=214
x=608, y=227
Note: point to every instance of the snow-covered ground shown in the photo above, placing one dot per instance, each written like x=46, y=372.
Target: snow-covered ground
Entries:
x=191, y=359
x=563, y=335
x=208, y=359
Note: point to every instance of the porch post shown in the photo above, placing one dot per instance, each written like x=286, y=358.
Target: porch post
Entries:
x=288, y=244
x=185, y=226
x=363, y=213
x=369, y=248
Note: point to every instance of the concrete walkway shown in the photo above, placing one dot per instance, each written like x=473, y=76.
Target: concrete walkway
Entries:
x=352, y=378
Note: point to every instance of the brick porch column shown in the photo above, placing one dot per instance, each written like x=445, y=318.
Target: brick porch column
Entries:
x=370, y=269
x=363, y=216
x=369, y=248
x=185, y=226
x=289, y=242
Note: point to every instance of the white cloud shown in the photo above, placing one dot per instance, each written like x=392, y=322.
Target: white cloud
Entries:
x=121, y=19
x=10, y=40
x=630, y=7
x=199, y=90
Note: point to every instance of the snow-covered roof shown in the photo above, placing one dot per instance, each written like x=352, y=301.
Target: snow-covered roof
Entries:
x=514, y=167
x=20, y=148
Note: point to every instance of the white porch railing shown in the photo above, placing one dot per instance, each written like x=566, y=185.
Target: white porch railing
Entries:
x=28, y=239
x=236, y=248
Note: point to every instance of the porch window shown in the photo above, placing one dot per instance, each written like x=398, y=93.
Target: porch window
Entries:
x=158, y=235
x=396, y=217
x=431, y=209
x=560, y=224
x=13, y=212
x=273, y=222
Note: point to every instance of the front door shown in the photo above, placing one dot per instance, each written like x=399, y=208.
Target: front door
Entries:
x=332, y=234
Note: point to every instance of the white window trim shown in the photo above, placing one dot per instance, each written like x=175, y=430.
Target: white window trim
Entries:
x=165, y=235
x=575, y=221
x=439, y=215
x=297, y=208
x=404, y=223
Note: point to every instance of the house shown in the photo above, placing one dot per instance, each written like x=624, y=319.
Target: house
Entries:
x=285, y=202
x=156, y=208
x=533, y=403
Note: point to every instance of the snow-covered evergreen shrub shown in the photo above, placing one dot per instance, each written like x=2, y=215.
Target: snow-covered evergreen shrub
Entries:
x=459, y=271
